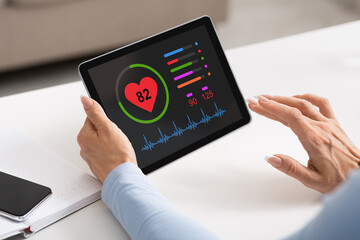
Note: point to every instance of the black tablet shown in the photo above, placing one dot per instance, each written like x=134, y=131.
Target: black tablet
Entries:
x=170, y=93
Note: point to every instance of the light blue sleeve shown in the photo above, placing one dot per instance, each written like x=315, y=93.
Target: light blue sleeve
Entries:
x=146, y=214
x=340, y=216
x=143, y=211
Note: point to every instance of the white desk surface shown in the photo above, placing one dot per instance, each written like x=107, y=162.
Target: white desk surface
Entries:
x=227, y=186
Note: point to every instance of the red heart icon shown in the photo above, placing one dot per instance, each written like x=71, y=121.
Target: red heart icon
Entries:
x=142, y=95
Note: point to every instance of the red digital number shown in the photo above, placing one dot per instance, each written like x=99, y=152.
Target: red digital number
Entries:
x=192, y=101
x=207, y=95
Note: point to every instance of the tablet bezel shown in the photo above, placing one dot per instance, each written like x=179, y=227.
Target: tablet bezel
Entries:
x=202, y=21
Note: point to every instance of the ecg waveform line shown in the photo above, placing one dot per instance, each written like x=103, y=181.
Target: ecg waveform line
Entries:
x=148, y=146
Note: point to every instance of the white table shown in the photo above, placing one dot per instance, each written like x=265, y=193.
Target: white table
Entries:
x=227, y=186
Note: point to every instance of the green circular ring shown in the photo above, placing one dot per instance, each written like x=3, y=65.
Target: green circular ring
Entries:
x=166, y=92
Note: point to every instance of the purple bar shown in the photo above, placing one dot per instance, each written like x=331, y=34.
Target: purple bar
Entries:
x=183, y=75
x=189, y=95
x=204, y=88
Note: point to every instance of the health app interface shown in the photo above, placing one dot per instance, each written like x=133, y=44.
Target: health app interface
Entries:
x=168, y=95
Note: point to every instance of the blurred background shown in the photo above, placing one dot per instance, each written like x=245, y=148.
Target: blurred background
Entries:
x=43, y=41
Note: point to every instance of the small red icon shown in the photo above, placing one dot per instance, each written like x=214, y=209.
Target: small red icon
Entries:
x=143, y=94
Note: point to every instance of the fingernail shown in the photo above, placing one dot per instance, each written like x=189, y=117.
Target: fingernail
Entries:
x=274, y=161
x=262, y=98
x=87, y=103
x=251, y=101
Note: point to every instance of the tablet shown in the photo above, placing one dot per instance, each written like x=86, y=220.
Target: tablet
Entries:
x=170, y=93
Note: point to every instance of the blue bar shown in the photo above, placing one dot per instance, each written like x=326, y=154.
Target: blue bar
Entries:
x=173, y=52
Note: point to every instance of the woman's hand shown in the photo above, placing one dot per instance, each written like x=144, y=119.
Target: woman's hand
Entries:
x=332, y=155
x=103, y=145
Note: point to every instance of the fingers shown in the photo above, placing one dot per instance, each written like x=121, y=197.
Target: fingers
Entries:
x=86, y=133
x=292, y=116
x=294, y=169
x=254, y=106
x=322, y=103
x=306, y=108
x=88, y=127
x=94, y=112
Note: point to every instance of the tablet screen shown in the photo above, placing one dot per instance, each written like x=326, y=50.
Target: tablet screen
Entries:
x=168, y=93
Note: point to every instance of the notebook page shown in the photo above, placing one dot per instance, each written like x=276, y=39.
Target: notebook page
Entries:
x=9, y=228
x=25, y=158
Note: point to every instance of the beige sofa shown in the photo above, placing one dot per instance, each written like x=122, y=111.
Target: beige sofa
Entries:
x=34, y=32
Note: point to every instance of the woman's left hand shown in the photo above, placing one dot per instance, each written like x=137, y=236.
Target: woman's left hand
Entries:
x=332, y=155
x=103, y=145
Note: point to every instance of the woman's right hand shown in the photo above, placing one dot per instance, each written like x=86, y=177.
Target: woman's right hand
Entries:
x=332, y=155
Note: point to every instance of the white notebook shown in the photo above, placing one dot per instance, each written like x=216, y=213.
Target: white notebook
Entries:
x=72, y=188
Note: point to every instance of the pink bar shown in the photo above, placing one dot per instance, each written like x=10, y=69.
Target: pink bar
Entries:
x=189, y=95
x=204, y=88
x=183, y=75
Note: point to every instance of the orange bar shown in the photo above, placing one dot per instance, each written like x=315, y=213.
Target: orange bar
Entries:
x=189, y=82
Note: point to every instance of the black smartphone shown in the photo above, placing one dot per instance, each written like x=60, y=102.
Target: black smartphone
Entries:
x=19, y=197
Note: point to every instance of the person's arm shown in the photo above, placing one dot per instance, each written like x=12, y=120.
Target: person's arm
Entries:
x=340, y=216
x=143, y=211
x=139, y=207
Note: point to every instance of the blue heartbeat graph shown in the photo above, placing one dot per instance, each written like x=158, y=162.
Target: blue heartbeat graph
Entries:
x=180, y=131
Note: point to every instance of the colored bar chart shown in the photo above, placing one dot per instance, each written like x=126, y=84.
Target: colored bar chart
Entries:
x=184, y=65
x=173, y=52
x=187, y=74
x=180, y=65
x=183, y=75
x=177, y=51
x=190, y=81
x=181, y=58
x=172, y=61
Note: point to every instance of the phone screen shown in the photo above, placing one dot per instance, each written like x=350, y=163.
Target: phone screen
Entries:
x=18, y=197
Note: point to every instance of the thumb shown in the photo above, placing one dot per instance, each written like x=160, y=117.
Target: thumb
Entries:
x=293, y=168
x=94, y=112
